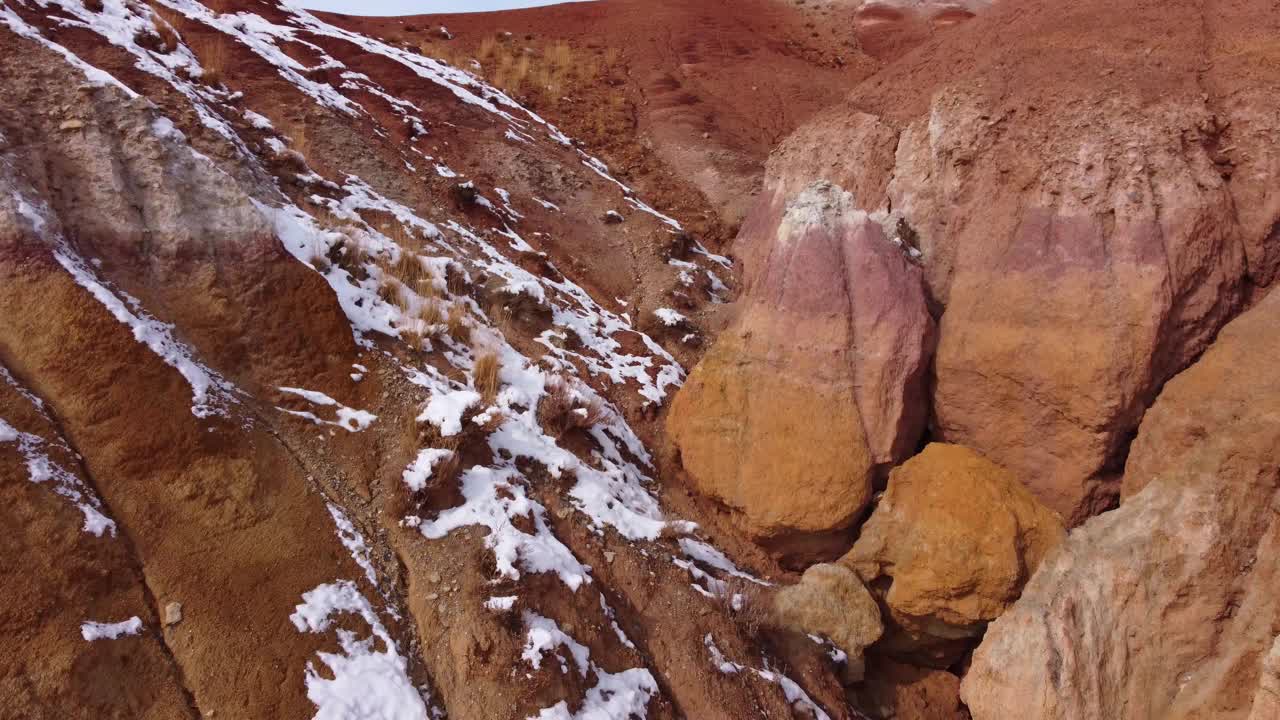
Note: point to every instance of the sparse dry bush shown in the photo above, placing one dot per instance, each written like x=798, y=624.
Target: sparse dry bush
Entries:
x=537, y=71
x=500, y=316
x=457, y=324
x=300, y=141
x=389, y=291
x=320, y=262
x=350, y=255
x=400, y=235
x=431, y=314
x=211, y=50
x=162, y=39
x=410, y=270
x=562, y=410
x=413, y=337
x=456, y=279
x=488, y=46
x=485, y=377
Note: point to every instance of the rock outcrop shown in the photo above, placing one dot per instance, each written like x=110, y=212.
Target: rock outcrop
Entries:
x=1266, y=703
x=1167, y=606
x=246, y=323
x=830, y=601
x=820, y=380
x=1088, y=218
x=949, y=547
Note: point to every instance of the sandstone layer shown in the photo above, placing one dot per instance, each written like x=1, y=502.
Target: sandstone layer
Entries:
x=252, y=270
x=830, y=601
x=819, y=381
x=1089, y=215
x=1165, y=607
x=949, y=547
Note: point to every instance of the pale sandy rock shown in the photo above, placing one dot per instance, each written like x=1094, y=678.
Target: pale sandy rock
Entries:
x=830, y=601
x=1165, y=607
x=949, y=547
x=1266, y=703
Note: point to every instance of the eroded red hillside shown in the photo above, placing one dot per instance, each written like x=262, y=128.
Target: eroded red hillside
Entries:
x=686, y=98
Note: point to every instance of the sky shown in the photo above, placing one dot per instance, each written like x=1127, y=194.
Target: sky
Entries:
x=417, y=7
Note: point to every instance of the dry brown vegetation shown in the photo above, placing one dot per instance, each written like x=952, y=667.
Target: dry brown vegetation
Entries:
x=320, y=263
x=486, y=377
x=211, y=50
x=351, y=255
x=562, y=411
x=457, y=324
x=431, y=314
x=534, y=71
x=162, y=39
x=410, y=270
x=389, y=292
x=412, y=337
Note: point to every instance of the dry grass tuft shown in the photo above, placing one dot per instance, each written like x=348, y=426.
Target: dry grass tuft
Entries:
x=400, y=235
x=500, y=316
x=456, y=279
x=211, y=50
x=389, y=292
x=488, y=46
x=485, y=377
x=410, y=270
x=351, y=255
x=457, y=324
x=562, y=411
x=431, y=314
x=413, y=337
x=446, y=471
x=320, y=263
x=538, y=71
x=169, y=39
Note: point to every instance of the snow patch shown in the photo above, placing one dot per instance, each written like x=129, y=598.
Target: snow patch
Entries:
x=91, y=630
x=42, y=469
x=493, y=498
x=615, y=696
x=501, y=604
x=670, y=317
x=419, y=471
x=445, y=410
x=354, y=542
x=349, y=419
x=370, y=678
x=791, y=690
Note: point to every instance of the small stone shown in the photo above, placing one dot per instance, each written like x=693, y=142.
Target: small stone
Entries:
x=433, y=596
x=172, y=613
x=71, y=125
x=609, y=556
x=434, y=578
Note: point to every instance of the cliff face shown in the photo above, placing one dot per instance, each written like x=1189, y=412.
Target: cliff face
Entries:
x=326, y=392
x=1080, y=214
x=1087, y=189
x=1164, y=607
x=338, y=380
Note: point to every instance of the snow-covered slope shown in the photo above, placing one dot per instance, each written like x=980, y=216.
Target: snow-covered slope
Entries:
x=350, y=352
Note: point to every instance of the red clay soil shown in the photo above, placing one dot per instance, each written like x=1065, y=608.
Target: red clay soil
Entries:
x=710, y=86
